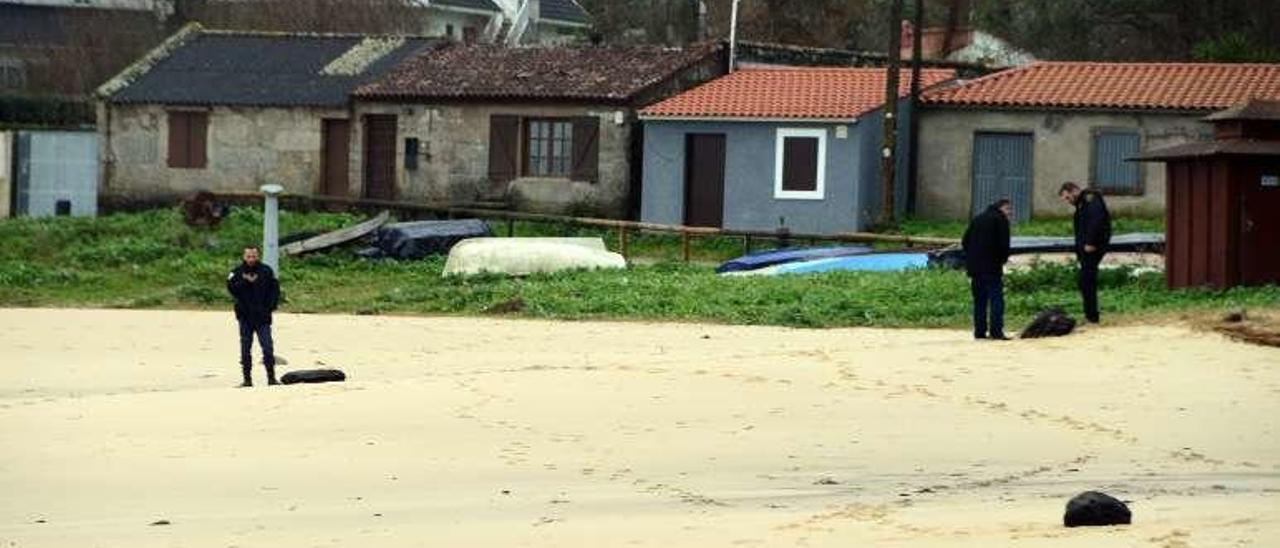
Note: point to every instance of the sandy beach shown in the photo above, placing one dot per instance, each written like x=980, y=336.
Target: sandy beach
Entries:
x=493, y=432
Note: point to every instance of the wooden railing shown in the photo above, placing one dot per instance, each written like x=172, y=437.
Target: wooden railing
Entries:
x=624, y=228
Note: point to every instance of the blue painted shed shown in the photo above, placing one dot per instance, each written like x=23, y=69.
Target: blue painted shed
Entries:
x=767, y=148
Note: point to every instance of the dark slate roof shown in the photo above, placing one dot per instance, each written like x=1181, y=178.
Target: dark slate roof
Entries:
x=25, y=25
x=563, y=10
x=481, y=71
x=256, y=69
x=483, y=5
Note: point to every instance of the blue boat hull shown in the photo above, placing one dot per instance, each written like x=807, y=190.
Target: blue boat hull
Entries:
x=780, y=256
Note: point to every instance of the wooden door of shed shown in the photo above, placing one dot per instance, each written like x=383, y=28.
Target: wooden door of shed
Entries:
x=380, y=156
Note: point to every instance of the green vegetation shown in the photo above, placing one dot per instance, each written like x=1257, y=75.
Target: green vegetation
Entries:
x=151, y=260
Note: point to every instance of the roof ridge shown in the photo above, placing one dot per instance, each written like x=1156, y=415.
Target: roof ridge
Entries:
x=307, y=34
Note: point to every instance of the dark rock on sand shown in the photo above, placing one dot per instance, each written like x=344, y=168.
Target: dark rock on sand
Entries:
x=1094, y=508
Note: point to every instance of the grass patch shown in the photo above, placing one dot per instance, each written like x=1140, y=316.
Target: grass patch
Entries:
x=151, y=259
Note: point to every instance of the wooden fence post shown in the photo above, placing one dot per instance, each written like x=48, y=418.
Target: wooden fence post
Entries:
x=684, y=244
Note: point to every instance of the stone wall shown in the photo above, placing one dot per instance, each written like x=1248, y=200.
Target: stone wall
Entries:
x=1062, y=151
x=246, y=148
x=453, y=160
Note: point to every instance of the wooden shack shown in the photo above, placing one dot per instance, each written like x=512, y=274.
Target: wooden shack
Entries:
x=1222, y=201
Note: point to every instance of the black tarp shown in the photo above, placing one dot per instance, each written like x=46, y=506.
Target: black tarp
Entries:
x=419, y=239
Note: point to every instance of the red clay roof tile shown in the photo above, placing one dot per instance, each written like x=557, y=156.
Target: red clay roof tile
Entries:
x=1163, y=86
x=788, y=92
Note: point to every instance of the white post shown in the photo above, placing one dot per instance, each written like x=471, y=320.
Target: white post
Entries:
x=733, y=35
x=271, y=226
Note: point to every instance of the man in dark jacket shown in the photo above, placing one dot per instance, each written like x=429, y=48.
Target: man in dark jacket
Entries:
x=986, y=249
x=1092, y=225
x=257, y=293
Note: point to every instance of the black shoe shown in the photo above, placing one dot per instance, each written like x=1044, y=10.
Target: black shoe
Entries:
x=272, y=382
x=977, y=337
x=246, y=384
x=1000, y=337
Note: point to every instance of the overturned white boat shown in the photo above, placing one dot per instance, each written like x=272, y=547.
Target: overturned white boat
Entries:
x=522, y=256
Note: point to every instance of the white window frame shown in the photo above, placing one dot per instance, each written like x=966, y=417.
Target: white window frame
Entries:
x=819, y=192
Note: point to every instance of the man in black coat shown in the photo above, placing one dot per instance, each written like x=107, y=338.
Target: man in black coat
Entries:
x=1092, y=225
x=257, y=293
x=986, y=249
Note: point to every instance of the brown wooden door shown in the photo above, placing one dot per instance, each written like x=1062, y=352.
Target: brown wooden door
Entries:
x=1260, y=224
x=704, y=179
x=334, y=163
x=380, y=156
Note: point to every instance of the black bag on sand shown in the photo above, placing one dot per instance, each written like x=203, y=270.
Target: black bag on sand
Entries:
x=1051, y=322
x=313, y=376
x=1094, y=508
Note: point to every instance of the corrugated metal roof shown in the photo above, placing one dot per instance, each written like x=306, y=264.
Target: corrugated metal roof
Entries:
x=563, y=10
x=1230, y=147
x=1255, y=109
x=256, y=69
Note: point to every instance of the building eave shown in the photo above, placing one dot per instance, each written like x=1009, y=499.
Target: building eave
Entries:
x=748, y=119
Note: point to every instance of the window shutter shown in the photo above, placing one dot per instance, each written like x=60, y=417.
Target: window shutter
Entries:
x=178, y=148
x=198, y=129
x=586, y=149
x=1110, y=170
x=800, y=164
x=504, y=141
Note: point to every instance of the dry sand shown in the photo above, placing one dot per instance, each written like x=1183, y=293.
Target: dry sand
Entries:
x=478, y=432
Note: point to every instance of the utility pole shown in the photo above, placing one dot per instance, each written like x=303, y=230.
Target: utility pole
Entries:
x=733, y=36
x=913, y=150
x=888, y=153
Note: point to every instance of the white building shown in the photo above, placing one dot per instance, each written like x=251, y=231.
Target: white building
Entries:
x=512, y=22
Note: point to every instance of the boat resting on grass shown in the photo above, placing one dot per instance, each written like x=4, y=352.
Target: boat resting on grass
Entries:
x=336, y=237
x=1136, y=242
x=772, y=257
x=524, y=256
x=871, y=262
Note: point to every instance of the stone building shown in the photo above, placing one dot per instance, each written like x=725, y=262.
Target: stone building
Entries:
x=550, y=129
x=1021, y=133
x=231, y=110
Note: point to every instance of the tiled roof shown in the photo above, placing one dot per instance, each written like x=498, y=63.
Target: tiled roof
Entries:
x=1164, y=86
x=563, y=10
x=838, y=93
x=482, y=5
x=260, y=69
x=481, y=71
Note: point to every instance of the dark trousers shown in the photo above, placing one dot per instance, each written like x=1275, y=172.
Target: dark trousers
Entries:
x=988, y=295
x=247, y=331
x=1089, y=284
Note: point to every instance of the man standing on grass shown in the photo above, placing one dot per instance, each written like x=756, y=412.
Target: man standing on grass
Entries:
x=986, y=249
x=1092, y=225
x=257, y=293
